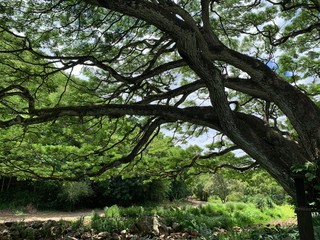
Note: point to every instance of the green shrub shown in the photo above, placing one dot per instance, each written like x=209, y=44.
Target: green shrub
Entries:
x=178, y=190
x=274, y=233
x=112, y=212
x=262, y=202
x=73, y=192
x=78, y=224
x=203, y=219
x=254, y=215
x=158, y=190
x=235, y=206
x=217, y=209
x=129, y=191
x=102, y=224
x=132, y=212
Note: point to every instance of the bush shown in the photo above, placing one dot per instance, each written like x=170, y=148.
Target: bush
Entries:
x=262, y=202
x=157, y=191
x=126, y=192
x=216, y=209
x=132, y=212
x=39, y=194
x=114, y=224
x=112, y=212
x=73, y=192
x=178, y=190
x=46, y=195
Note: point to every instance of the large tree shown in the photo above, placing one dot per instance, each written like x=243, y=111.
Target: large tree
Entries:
x=247, y=69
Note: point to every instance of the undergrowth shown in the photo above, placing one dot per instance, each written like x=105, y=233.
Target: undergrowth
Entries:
x=205, y=219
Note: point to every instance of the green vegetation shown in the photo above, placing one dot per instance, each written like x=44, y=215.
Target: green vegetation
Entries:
x=270, y=233
x=207, y=218
x=87, y=87
x=54, y=195
x=122, y=224
x=109, y=103
x=255, y=187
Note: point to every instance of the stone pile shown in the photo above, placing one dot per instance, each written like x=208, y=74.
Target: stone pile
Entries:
x=146, y=228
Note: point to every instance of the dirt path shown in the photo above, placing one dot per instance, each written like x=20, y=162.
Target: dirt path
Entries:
x=6, y=216
x=287, y=222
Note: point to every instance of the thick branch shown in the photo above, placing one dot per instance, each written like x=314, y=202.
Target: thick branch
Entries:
x=183, y=90
x=246, y=86
x=237, y=168
x=144, y=140
x=294, y=34
x=216, y=154
x=23, y=92
x=305, y=116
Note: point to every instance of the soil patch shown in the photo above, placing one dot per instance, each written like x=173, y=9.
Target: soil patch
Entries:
x=7, y=216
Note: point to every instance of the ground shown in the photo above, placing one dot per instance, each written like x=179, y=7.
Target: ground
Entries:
x=7, y=216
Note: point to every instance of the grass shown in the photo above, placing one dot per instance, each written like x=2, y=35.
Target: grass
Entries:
x=260, y=232
x=205, y=219
x=213, y=221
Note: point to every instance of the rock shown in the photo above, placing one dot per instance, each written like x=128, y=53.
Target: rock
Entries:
x=236, y=229
x=143, y=226
x=150, y=226
x=55, y=231
x=8, y=224
x=29, y=233
x=86, y=235
x=36, y=225
x=5, y=232
x=103, y=235
x=77, y=234
x=46, y=226
x=5, y=235
x=15, y=234
x=159, y=228
x=115, y=236
x=176, y=227
x=72, y=238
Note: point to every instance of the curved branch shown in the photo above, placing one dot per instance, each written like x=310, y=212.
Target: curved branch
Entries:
x=143, y=142
x=185, y=89
x=246, y=86
x=169, y=113
x=226, y=165
x=285, y=6
x=217, y=154
x=23, y=92
x=239, y=84
x=294, y=34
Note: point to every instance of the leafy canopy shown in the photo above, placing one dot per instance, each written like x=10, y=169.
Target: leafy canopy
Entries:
x=247, y=69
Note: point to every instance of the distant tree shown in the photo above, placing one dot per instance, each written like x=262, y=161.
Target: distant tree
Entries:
x=221, y=187
x=247, y=69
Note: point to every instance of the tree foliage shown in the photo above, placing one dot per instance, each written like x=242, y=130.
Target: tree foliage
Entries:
x=247, y=69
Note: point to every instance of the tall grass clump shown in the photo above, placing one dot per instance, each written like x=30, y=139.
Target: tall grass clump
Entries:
x=111, y=221
x=214, y=209
x=112, y=212
x=132, y=212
